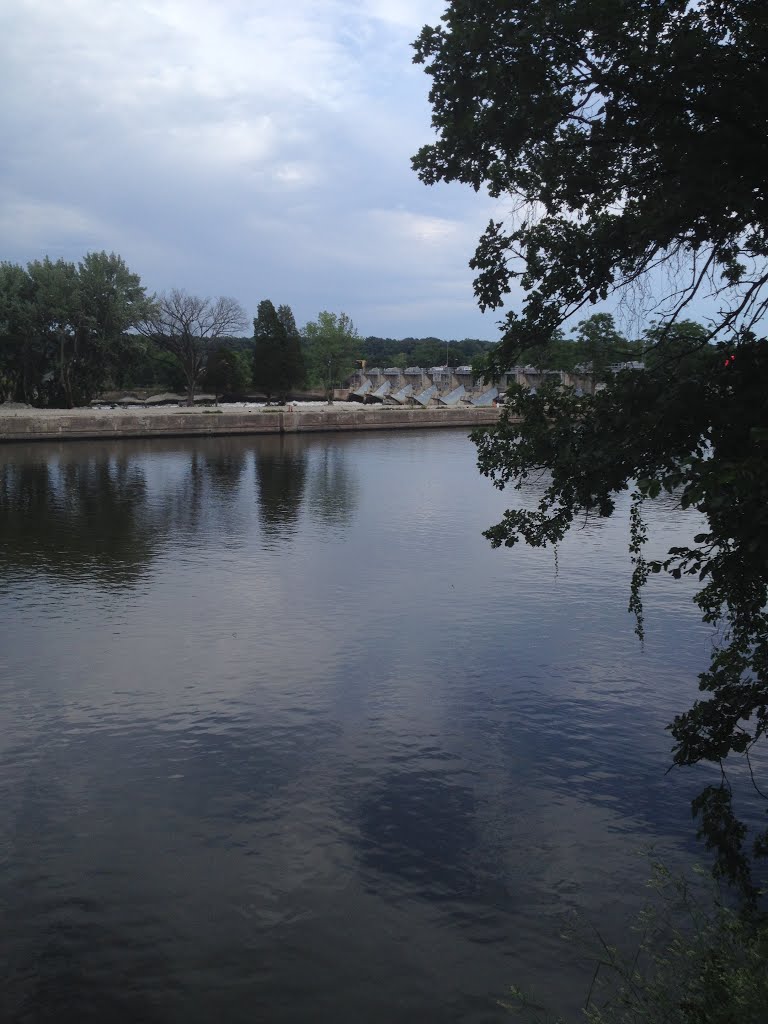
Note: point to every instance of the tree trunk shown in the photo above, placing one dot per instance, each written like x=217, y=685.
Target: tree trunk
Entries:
x=63, y=375
x=61, y=361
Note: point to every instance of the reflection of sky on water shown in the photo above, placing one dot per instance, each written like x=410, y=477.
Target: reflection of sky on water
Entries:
x=282, y=735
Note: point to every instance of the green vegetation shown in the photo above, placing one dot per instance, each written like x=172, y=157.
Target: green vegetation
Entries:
x=695, y=961
x=631, y=140
x=596, y=343
x=63, y=328
x=423, y=352
x=332, y=346
x=600, y=121
x=188, y=327
x=278, y=363
x=227, y=372
x=70, y=332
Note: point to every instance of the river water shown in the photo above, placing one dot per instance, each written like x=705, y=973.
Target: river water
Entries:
x=283, y=738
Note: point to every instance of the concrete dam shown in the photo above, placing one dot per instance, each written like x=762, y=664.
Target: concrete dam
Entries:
x=456, y=387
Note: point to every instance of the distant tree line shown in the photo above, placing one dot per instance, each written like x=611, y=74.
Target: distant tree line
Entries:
x=68, y=332
x=423, y=352
x=593, y=345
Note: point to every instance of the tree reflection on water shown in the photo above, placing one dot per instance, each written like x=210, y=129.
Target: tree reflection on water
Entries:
x=103, y=513
x=78, y=516
x=281, y=477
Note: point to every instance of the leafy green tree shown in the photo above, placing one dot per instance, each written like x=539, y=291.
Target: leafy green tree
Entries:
x=429, y=352
x=599, y=344
x=278, y=362
x=58, y=327
x=558, y=354
x=227, y=372
x=189, y=327
x=332, y=346
x=601, y=119
x=596, y=344
x=676, y=349
x=421, y=351
x=632, y=141
x=113, y=303
x=64, y=327
x=17, y=374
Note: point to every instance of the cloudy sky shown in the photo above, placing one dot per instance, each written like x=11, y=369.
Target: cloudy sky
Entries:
x=240, y=147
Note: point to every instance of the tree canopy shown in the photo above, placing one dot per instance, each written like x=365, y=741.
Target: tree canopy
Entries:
x=595, y=345
x=631, y=138
x=332, y=345
x=228, y=372
x=403, y=352
x=189, y=327
x=278, y=363
x=63, y=327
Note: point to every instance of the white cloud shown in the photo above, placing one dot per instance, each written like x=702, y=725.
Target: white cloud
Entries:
x=229, y=143
x=296, y=174
x=236, y=146
x=35, y=222
x=414, y=227
x=405, y=14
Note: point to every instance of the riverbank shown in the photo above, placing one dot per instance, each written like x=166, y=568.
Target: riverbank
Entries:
x=26, y=424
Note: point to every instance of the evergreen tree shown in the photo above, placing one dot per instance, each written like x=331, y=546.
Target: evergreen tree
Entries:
x=278, y=366
x=295, y=353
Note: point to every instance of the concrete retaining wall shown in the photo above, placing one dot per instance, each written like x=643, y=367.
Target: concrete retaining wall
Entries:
x=77, y=424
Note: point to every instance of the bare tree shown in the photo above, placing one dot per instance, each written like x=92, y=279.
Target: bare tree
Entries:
x=188, y=326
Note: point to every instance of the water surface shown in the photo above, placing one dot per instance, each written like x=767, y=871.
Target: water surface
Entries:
x=283, y=739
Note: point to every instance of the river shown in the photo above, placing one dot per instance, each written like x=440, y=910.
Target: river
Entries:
x=283, y=739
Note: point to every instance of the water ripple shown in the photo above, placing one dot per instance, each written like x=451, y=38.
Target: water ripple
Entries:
x=283, y=739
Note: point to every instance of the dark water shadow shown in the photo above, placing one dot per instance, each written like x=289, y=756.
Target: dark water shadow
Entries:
x=89, y=517
x=281, y=478
x=333, y=489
